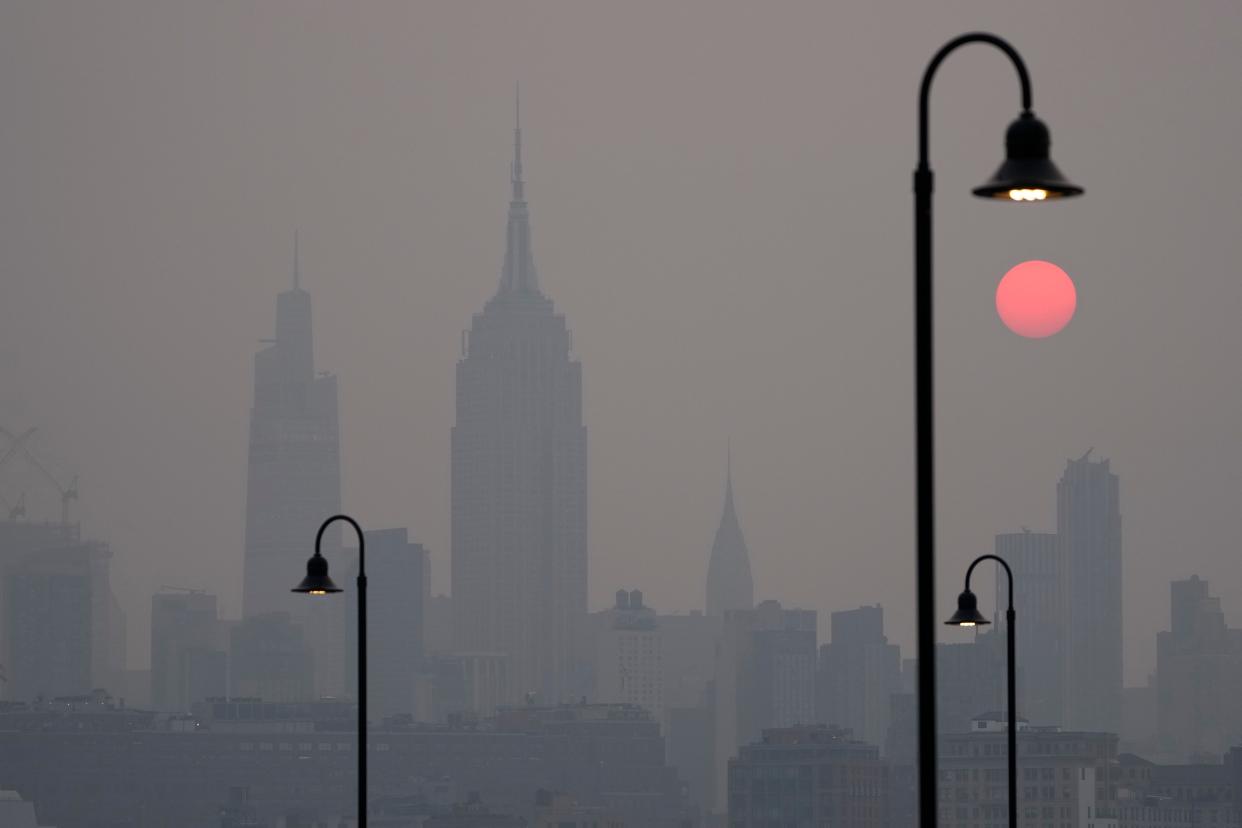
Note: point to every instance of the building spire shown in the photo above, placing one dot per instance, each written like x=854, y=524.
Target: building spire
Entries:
x=730, y=584
x=516, y=170
x=519, y=267
x=297, y=273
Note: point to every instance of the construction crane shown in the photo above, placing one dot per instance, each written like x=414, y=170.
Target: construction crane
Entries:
x=18, y=444
x=17, y=510
x=186, y=590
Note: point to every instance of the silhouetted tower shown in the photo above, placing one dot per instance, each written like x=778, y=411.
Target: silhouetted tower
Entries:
x=294, y=473
x=729, y=583
x=1089, y=539
x=519, y=489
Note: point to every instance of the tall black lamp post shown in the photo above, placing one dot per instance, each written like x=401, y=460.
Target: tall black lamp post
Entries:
x=317, y=582
x=968, y=615
x=1026, y=176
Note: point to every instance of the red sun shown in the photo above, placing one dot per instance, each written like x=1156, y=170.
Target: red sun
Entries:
x=1036, y=299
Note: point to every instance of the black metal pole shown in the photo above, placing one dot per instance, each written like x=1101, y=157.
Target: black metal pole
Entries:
x=362, y=657
x=1011, y=685
x=925, y=474
x=925, y=477
x=1013, y=717
x=362, y=686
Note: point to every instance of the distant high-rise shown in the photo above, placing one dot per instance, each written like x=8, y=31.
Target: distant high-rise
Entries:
x=519, y=478
x=858, y=674
x=1038, y=581
x=63, y=632
x=1198, y=676
x=188, y=659
x=294, y=479
x=765, y=678
x=729, y=583
x=398, y=588
x=269, y=659
x=1089, y=538
x=629, y=656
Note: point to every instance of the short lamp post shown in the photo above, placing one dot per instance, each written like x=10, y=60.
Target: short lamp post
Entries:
x=968, y=615
x=317, y=582
x=1026, y=176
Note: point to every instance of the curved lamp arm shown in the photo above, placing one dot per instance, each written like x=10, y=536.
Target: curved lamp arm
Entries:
x=999, y=560
x=362, y=543
x=925, y=89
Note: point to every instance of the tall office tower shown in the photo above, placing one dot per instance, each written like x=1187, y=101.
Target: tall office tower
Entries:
x=1089, y=540
x=294, y=482
x=62, y=628
x=729, y=583
x=1198, y=677
x=765, y=678
x=398, y=590
x=1040, y=620
x=859, y=671
x=519, y=490
x=188, y=658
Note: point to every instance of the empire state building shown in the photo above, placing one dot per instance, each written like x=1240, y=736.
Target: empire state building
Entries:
x=519, y=478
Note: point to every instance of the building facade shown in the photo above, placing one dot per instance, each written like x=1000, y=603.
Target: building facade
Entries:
x=629, y=656
x=765, y=678
x=270, y=659
x=1089, y=540
x=519, y=478
x=1198, y=677
x=1065, y=778
x=398, y=589
x=84, y=768
x=63, y=632
x=810, y=775
x=1040, y=621
x=189, y=661
x=859, y=671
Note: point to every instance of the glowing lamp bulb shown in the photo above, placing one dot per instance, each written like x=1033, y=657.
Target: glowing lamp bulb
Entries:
x=318, y=592
x=1028, y=195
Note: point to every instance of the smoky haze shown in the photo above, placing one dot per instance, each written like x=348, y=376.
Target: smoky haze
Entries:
x=720, y=197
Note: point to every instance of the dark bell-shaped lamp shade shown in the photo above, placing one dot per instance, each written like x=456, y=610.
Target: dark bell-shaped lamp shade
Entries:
x=1028, y=174
x=967, y=614
x=316, y=581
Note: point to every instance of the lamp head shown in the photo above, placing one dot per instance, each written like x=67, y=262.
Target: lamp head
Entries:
x=1027, y=173
x=316, y=581
x=967, y=614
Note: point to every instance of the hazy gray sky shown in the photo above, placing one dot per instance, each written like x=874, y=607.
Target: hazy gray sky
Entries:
x=721, y=206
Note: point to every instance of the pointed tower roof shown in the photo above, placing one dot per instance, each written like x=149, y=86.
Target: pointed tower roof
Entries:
x=729, y=581
x=518, y=273
x=297, y=270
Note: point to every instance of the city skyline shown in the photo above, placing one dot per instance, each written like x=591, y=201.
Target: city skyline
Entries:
x=569, y=615
x=693, y=306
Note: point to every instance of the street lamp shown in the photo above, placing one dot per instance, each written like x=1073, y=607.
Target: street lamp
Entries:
x=968, y=615
x=317, y=582
x=1026, y=176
